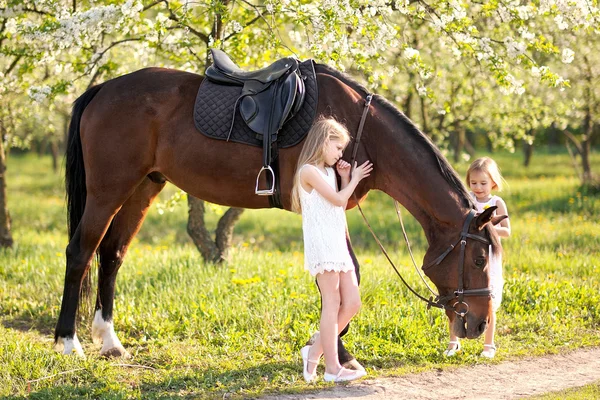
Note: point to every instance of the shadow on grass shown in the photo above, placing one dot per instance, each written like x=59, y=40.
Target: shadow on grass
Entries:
x=567, y=203
x=190, y=384
x=43, y=325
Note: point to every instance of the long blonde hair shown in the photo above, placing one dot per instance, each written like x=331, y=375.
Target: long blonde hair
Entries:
x=488, y=166
x=322, y=131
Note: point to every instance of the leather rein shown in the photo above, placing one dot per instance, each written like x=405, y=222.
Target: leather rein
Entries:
x=460, y=307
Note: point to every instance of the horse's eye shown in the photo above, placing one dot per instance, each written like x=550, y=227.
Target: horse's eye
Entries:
x=480, y=262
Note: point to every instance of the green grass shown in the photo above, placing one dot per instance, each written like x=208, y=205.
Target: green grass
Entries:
x=582, y=393
x=235, y=329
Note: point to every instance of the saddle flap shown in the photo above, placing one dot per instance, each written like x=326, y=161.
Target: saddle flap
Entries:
x=248, y=109
x=217, y=104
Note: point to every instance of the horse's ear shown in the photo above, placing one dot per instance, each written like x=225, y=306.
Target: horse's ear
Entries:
x=485, y=217
x=498, y=218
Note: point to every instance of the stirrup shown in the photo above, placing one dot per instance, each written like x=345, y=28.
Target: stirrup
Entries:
x=453, y=351
x=265, y=192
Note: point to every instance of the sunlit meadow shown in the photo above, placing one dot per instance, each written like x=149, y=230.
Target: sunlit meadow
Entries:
x=198, y=330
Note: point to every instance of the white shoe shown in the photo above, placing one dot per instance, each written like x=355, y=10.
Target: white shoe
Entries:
x=307, y=376
x=354, y=374
x=455, y=349
x=489, y=351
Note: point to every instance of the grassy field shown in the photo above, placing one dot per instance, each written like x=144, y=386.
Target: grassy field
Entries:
x=199, y=330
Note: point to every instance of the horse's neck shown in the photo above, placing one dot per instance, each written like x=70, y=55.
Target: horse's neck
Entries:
x=408, y=171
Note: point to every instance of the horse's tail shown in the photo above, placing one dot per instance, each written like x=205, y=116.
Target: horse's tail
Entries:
x=75, y=172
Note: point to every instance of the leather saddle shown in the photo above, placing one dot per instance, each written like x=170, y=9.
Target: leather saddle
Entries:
x=268, y=99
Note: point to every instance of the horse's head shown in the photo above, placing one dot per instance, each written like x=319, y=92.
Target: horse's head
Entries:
x=464, y=266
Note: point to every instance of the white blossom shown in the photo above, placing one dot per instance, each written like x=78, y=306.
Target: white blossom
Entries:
x=562, y=24
x=39, y=93
x=237, y=27
x=409, y=53
x=567, y=56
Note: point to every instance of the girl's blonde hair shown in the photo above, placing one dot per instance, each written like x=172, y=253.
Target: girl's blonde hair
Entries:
x=488, y=166
x=322, y=131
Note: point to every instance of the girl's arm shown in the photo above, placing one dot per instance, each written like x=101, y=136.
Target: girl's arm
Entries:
x=310, y=179
x=503, y=228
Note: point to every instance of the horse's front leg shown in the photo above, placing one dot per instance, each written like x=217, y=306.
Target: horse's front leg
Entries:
x=112, y=251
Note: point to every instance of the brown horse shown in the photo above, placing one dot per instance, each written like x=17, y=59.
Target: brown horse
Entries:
x=130, y=135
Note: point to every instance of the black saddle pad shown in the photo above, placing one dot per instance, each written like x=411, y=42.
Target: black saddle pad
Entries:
x=214, y=107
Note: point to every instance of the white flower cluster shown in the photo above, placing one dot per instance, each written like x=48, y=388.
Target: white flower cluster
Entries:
x=567, y=56
x=39, y=93
x=513, y=85
x=514, y=49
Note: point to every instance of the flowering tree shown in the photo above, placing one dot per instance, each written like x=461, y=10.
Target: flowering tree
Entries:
x=51, y=50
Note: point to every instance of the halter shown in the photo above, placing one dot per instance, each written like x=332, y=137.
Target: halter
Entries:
x=441, y=302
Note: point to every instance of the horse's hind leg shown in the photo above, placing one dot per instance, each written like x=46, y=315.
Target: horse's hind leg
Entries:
x=112, y=251
x=82, y=246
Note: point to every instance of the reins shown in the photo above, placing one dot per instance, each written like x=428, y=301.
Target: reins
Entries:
x=436, y=300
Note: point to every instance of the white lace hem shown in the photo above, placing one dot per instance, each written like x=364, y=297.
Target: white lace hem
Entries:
x=336, y=266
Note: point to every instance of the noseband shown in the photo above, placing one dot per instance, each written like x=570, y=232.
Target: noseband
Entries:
x=460, y=293
x=460, y=307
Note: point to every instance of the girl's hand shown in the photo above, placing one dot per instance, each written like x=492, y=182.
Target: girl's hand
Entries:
x=362, y=171
x=343, y=169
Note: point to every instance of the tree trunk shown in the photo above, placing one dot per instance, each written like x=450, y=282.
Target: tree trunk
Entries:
x=224, y=232
x=585, y=158
x=459, y=142
x=527, y=153
x=6, y=239
x=196, y=228
x=214, y=251
x=54, y=150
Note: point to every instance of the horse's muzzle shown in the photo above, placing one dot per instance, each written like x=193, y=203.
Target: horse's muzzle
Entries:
x=469, y=327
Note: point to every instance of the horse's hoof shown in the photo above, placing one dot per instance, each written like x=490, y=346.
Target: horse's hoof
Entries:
x=115, y=352
x=69, y=346
x=353, y=364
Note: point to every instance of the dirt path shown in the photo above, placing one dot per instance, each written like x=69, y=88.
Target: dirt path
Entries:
x=507, y=380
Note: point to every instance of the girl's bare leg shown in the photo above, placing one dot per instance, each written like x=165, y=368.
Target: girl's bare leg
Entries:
x=491, y=330
x=348, y=307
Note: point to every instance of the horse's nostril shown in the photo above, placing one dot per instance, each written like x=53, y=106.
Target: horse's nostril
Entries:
x=481, y=327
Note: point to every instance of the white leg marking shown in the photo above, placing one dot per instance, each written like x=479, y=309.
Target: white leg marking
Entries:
x=70, y=346
x=104, y=332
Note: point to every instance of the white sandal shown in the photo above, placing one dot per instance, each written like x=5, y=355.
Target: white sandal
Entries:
x=344, y=378
x=455, y=349
x=490, y=352
x=305, y=360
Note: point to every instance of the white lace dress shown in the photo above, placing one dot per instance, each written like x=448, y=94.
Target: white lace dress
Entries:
x=324, y=230
x=496, y=278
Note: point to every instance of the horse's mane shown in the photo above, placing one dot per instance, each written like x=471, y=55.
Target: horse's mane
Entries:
x=445, y=168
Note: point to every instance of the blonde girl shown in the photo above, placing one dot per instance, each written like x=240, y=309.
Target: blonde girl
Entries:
x=326, y=256
x=484, y=176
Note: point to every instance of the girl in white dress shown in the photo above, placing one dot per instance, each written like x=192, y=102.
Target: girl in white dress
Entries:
x=484, y=176
x=326, y=254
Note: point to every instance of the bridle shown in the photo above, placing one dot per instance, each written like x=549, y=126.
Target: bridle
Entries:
x=460, y=306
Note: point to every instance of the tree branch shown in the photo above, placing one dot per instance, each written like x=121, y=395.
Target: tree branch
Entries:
x=13, y=64
x=574, y=140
